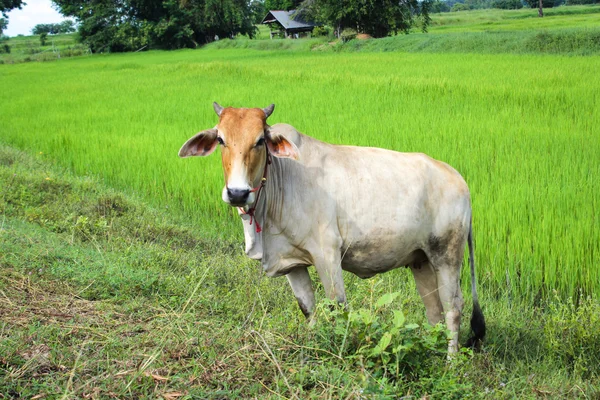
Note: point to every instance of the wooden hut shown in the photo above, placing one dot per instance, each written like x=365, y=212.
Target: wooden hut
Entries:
x=289, y=24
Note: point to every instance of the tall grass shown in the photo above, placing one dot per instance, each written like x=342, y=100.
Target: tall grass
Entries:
x=525, y=19
x=523, y=131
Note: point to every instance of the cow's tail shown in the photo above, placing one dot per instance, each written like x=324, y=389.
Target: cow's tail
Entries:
x=477, y=318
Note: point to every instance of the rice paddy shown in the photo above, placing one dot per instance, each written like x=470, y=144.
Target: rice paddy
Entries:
x=523, y=131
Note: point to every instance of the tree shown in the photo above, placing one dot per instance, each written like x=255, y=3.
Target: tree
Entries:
x=5, y=7
x=545, y=3
x=257, y=11
x=460, y=7
x=377, y=18
x=438, y=6
x=66, y=26
x=128, y=25
x=285, y=5
x=3, y=25
x=507, y=4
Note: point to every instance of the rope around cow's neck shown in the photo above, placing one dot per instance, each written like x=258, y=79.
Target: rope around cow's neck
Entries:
x=258, y=189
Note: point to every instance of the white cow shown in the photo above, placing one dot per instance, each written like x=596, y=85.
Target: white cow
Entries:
x=304, y=202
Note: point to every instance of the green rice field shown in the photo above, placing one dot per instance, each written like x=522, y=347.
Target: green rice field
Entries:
x=523, y=131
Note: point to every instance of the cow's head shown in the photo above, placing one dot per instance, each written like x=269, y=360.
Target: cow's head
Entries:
x=244, y=138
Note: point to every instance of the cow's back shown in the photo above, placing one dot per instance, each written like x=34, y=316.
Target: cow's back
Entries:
x=387, y=205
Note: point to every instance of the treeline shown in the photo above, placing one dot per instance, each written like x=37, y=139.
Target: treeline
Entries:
x=463, y=5
x=66, y=26
x=130, y=25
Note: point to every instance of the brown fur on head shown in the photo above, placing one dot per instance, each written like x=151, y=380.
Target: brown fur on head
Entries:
x=244, y=137
x=241, y=132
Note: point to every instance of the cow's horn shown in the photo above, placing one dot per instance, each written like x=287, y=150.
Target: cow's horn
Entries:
x=218, y=108
x=268, y=110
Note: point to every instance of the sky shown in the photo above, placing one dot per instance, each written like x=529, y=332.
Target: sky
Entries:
x=35, y=12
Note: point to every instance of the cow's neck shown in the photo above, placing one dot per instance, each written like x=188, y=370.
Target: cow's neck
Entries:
x=254, y=223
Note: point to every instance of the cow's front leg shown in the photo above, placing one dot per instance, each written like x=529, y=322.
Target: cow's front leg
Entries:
x=302, y=287
x=329, y=269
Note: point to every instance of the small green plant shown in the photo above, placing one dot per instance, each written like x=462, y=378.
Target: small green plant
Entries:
x=321, y=31
x=460, y=7
x=43, y=38
x=348, y=34
x=380, y=339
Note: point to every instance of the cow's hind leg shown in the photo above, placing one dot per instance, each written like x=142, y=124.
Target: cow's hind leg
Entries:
x=426, y=281
x=447, y=260
x=301, y=284
x=448, y=277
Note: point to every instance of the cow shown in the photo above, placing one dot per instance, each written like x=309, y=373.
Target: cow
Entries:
x=304, y=202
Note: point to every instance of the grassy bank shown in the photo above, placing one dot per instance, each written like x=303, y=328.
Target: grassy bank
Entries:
x=525, y=19
x=101, y=296
x=573, y=41
x=29, y=48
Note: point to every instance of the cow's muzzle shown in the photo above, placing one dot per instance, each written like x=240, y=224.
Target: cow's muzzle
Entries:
x=238, y=197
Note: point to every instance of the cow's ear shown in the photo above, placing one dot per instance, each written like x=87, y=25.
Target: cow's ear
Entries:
x=281, y=140
x=201, y=144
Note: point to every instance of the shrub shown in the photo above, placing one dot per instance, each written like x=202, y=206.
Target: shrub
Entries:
x=460, y=7
x=380, y=340
x=507, y=4
x=439, y=6
x=321, y=31
x=348, y=34
x=545, y=3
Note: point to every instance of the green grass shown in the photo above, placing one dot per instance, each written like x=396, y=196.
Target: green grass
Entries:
x=521, y=129
x=102, y=296
x=525, y=19
x=29, y=48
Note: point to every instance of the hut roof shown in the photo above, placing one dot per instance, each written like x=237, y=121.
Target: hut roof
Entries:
x=288, y=19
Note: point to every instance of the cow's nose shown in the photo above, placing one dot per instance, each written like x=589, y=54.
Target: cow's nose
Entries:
x=238, y=196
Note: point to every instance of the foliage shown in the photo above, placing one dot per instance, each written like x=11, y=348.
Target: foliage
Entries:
x=321, y=31
x=377, y=18
x=348, y=34
x=132, y=25
x=438, y=6
x=43, y=38
x=460, y=7
x=257, y=11
x=580, y=2
x=281, y=4
x=4, y=46
x=67, y=26
x=545, y=3
x=507, y=4
x=7, y=5
x=379, y=338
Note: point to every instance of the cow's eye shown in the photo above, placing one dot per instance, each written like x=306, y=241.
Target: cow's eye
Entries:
x=220, y=140
x=260, y=142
